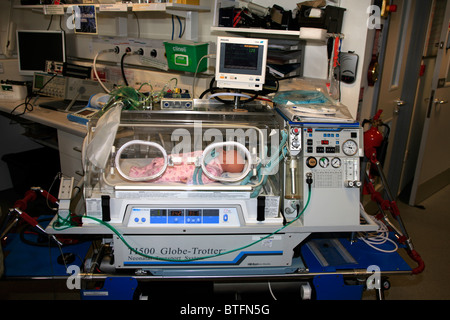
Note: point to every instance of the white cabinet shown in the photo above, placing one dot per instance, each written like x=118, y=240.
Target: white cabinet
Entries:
x=70, y=147
x=189, y=12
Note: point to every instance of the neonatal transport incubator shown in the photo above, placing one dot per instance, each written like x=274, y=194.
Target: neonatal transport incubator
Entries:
x=221, y=188
x=159, y=190
x=228, y=189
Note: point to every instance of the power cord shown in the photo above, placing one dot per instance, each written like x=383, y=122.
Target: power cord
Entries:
x=94, y=65
x=374, y=240
x=128, y=52
x=196, y=70
x=28, y=105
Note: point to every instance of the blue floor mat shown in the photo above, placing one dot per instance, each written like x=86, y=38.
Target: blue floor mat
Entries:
x=358, y=255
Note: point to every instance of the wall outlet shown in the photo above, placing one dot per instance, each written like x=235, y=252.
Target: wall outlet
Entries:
x=65, y=188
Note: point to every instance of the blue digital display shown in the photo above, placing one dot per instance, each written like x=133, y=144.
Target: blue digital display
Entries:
x=176, y=216
x=210, y=215
x=193, y=216
x=158, y=216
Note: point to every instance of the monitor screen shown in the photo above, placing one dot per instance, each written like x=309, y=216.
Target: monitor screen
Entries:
x=241, y=63
x=240, y=58
x=35, y=47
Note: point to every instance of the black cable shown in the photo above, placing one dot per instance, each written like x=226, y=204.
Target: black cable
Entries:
x=173, y=27
x=121, y=68
x=265, y=91
x=28, y=105
x=139, y=52
x=60, y=24
x=298, y=209
x=309, y=179
x=26, y=228
x=50, y=23
x=214, y=89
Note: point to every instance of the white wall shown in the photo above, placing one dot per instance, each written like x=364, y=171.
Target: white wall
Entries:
x=150, y=25
x=159, y=26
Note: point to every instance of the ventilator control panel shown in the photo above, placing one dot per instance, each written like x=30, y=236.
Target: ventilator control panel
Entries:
x=147, y=216
x=332, y=155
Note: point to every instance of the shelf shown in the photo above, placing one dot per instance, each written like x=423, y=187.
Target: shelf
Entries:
x=187, y=11
x=258, y=30
x=167, y=6
x=307, y=34
x=129, y=6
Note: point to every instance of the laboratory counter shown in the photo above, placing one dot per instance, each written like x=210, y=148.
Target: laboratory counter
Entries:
x=69, y=135
x=52, y=118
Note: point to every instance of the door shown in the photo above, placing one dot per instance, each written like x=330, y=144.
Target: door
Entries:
x=433, y=165
x=394, y=68
x=406, y=34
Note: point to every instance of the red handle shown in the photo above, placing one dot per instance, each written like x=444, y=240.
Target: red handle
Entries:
x=30, y=195
x=48, y=196
x=416, y=257
x=30, y=220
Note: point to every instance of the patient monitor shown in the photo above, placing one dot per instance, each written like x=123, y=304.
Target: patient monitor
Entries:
x=241, y=63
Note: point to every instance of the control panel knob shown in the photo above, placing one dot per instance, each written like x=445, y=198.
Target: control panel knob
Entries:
x=349, y=184
x=295, y=143
x=311, y=162
x=352, y=184
x=295, y=131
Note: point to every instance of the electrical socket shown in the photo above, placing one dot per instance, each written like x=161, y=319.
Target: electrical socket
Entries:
x=65, y=188
x=152, y=49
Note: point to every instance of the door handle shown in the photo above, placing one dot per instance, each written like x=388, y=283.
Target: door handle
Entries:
x=435, y=102
x=439, y=101
x=398, y=104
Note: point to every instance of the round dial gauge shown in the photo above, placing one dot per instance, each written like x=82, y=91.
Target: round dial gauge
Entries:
x=324, y=162
x=349, y=147
x=335, y=162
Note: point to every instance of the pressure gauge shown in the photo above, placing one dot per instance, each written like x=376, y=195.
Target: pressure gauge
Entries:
x=324, y=162
x=335, y=162
x=349, y=147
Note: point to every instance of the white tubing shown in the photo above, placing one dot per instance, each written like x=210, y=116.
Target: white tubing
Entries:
x=94, y=65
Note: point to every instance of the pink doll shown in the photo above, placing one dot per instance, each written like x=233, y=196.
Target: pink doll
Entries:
x=227, y=161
